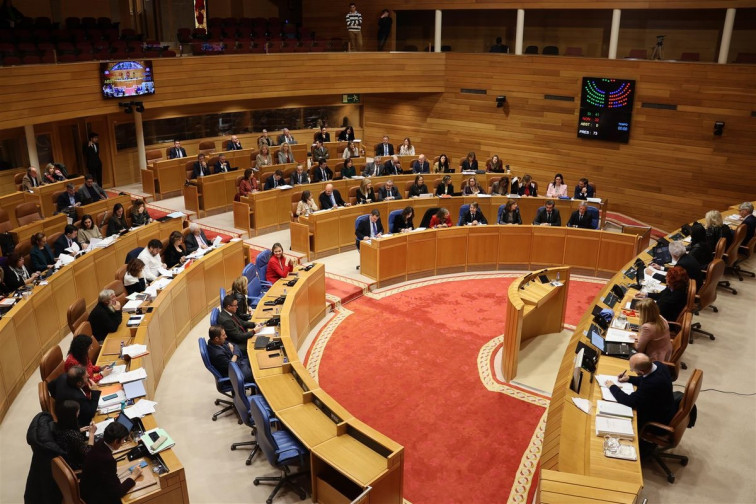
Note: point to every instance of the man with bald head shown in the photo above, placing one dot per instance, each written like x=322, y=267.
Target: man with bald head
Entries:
x=653, y=399
x=331, y=198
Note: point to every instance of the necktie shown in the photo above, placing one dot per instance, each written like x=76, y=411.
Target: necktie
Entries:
x=385, y=150
x=373, y=230
x=333, y=200
x=548, y=217
x=325, y=176
x=69, y=241
x=179, y=153
x=34, y=182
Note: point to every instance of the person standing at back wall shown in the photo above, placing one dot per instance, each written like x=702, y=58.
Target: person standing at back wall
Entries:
x=354, y=27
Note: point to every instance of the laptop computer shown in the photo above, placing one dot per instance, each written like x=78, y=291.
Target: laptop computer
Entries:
x=621, y=350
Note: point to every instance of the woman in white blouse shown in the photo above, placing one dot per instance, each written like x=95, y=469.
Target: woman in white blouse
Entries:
x=557, y=188
x=351, y=151
x=407, y=149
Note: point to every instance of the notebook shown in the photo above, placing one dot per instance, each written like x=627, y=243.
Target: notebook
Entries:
x=134, y=389
x=261, y=342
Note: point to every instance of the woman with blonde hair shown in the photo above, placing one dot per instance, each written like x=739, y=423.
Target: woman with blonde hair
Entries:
x=264, y=158
x=653, y=338
x=239, y=291
x=365, y=193
x=716, y=229
x=285, y=155
x=407, y=149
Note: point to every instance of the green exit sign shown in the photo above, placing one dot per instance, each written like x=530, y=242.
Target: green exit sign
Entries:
x=350, y=98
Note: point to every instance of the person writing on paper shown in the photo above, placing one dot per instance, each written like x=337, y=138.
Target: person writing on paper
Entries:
x=653, y=338
x=653, y=399
x=673, y=299
x=175, y=253
x=75, y=441
x=16, y=274
x=88, y=230
x=331, y=198
x=474, y=216
x=150, y=256
x=403, y=222
x=237, y=330
x=100, y=483
x=222, y=352
x=278, y=266
x=133, y=279
x=557, y=188
x=442, y=219
x=106, y=316
x=196, y=239
x=66, y=243
x=274, y=180
x=369, y=228
x=78, y=355
x=41, y=254
x=74, y=385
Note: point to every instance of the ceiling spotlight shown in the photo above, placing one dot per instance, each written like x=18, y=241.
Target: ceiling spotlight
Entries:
x=139, y=106
x=126, y=107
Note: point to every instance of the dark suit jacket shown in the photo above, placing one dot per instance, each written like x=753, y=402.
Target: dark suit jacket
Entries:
x=172, y=257
x=282, y=139
x=269, y=183
x=236, y=329
x=296, y=178
x=104, y=321
x=750, y=222
x=363, y=228
x=325, y=201
x=61, y=391
x=384, y=193
x=197, y=170
x=64, y=201
x=389, y=168
x=468, y=217
x=579, y=193
x=418, y=168
x=173, y=152
x=468, y=166
x=317, y=175
x=362, y=198
x=99, y=479
x=41, y=258
x=323, y=138
x=516, y=217
x=541, y=217
x=380, y=150
x=653, y=400
x=230, y=145
x=584, y=223
x=191, y=241
x=401, y=223
x=693, y=268
x=92, y=158
x=670, y=302
x=61, y=244
x=88, y=195
x=417, y=190
x=217, y=167
x=440, y=188
x=372, y=170
x=221, y=355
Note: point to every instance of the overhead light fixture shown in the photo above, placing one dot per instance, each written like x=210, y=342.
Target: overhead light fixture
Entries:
x=126, y=107
x=139, y=106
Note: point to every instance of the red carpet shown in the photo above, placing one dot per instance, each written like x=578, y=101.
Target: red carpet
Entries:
x=620, y=219
x=407, y=365
x=344, y=290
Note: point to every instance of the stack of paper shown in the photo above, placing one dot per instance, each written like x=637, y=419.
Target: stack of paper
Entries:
x=141, y=408
x=614, y=335
x=135, y=350
x=583, y=404
x=111, y=396
x=64, y=259
x=136, y=374
x=606, y=394
x=101, y=426
x=132, y=305
x=114, y=374
x=621, y=427
x=613, y=409
x=176, y=215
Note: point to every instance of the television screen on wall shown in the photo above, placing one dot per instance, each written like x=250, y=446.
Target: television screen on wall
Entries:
x=606, y=107
x=123, y=79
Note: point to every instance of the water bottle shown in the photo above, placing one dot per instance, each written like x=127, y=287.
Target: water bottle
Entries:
x=120, y=354
x=557, y=276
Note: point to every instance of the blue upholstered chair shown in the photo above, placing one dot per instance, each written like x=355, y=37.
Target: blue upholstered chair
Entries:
x=462, y=211
x=250, y=271
x=222, y=385
x=241, y=403
x=214, y=314
x=595, y=216
x=254, y=292
x=357, y=221
x=133, y=254
x=280, y=448
x=222, y=295
x=499, y=213
x=393, y=214
x=261, y=262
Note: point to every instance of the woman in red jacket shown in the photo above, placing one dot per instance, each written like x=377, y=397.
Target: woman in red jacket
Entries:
x=278, y=266
x=78, y=355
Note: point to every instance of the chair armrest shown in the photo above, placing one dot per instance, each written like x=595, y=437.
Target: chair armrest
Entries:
x=224, y=380
x=252, y=386
x=656, y=425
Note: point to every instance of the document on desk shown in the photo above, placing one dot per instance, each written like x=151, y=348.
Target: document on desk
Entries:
x=101, y=426
x=614, y=409
x=622, y=427
x=141, y=408
x=614, y=335
x=583, y=404
x=114, y=374
x=606, y=394
x=133, y=375
x=135, y=350
x=132, y=305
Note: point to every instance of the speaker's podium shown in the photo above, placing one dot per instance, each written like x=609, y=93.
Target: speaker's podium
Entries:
x=536, y=304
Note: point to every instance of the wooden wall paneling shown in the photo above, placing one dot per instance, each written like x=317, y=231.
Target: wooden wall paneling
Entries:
x=613, y=249
x=451, y=250
x=105, y=266
x=181, y=314
x=197, y=301
x=515, y=243
x=27, y=335
x=48, y=330
x=421, y=253
x=164, y=314
x=156, y=342
x=83, y=274
x=214, y=279
x=548, y=247
x=581, y=250
x=11, y=364
x=393, y=265
x=482, y=243
x=64, y=290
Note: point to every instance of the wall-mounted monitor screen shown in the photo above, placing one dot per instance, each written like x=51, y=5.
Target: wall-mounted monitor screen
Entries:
x=606, y=107
x=121, y=79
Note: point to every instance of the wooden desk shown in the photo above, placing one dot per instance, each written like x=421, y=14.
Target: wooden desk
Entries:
x=347, y=457
x=105, y=205
x=48, y=226
x=212, y=194
x=45, y=192
x=33, y=325
x=533, y=308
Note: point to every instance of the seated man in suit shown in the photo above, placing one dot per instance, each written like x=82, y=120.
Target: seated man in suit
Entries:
x=583, y=190
x=323, y=136
x=548, y=216
x=74, y=385
x=285, y=137
x=176, y=151
x=31, y=180
x=69, y=199
x=200, y=167
x=384, y=148
x=274, y=180
x=196, y=239
x=580, y=218
x=91, y=191
x=150, y=256
x=746, y=213
x=106, y=316
x=66, y=243
x=421, y=165
x=221, y=353
x=474, y=216
x=319, y=151
x=653, y=400
x=392, y=166
x=322, y=173
x=233, y=144
x=388, y=192
x=680, y=257
x=373, y=169
x=100, y=483
x=222, y=165
x=300, y=176
x=237, y=330
x=370, y=227
x=331, y=198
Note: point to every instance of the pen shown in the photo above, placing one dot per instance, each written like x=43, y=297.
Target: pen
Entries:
x=621, y=375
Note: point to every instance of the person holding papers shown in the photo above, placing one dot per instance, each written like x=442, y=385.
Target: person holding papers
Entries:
x=106, y=316
x=278, y=266
x=237, y=330
x=100, y=483
x=175, y=253
x=88, y=230
x=16, y=274
x=73, y=385
x=221, y=353
x=653, y=399
x=78, y=355
x=196, y=239
x=653, y=337
x=66, y=243
x=117, y=222
x=150, y=256
x=41, y=255
x=133, y=279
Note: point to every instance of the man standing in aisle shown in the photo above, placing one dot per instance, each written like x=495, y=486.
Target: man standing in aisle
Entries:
x=354, y=27
x=92, y=157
